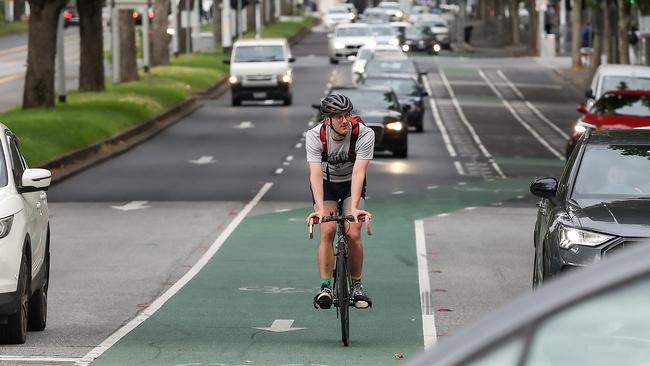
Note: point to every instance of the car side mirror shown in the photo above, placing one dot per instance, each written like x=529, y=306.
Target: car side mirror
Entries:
x=227, y=62
x=582, y=109
x=35, y=179
x=544, y=187
x=590, y=94
x=292, y=59
x=424, y=93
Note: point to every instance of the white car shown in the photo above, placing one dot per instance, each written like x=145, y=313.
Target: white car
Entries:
x=24, y=243
x=337, y=15
x=385, y=34
x=369, y=52
x=260, y=69
x=346, y=40
x=392, y=8
x=617, y=77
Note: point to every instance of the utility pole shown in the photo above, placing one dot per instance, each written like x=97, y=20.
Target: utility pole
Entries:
x=188, y=27
x=563, y=32
x=240, y=26
x=226, y=36
x=145, y=38
x=115, y=42
x=258, y=20
x=60, y=62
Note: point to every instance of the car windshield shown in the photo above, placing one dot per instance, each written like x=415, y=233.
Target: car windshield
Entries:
x=625, y=83
x=384, y=31
x=389, y=53
x=613, y=171
x=417, y=31
x=399, y=86
x=622, y=104
x=364, y=54
x=369, y=100
x=353, y=32
x=389, y=6
x=259, y=53
x=383, y=66
x=338, y=11
x=432, y=23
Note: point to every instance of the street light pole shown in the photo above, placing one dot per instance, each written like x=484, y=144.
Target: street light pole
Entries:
x=60, y=62
x=188, y=28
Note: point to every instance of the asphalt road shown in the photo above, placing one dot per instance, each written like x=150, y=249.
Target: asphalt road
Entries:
x=124, y=231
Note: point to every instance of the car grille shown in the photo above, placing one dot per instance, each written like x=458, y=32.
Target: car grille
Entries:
x=617, y=248
x=259, y=77
x=353, y=47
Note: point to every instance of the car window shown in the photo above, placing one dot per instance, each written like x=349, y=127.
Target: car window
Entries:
x=3, y=170
x=338, y=11
x=383, y=66
x=613, y=171
x=265, y=53
x=612, y=328
x=622, y=104
x=370, y=100
x=353, y=32
x=384, y=31
x=364, y=54
x=625, y=83
x=400, y=86
x=505, y=354
x=17, y=161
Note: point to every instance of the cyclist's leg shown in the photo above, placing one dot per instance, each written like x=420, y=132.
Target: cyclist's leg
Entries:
x=325, y=253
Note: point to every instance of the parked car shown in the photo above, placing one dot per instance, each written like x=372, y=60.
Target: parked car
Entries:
x=380, y=110
x=393, y=65
x=367, y=53
x=336, y=15
x=617, y=77
x=346, y=40
x=600, y=204
x=385, y=34
x=70, y=16
x=24, y=243
x=260, y=69
x=598, y=317
x=420, y=38
x=374, y=16
x=408, y=91
x=615, y=109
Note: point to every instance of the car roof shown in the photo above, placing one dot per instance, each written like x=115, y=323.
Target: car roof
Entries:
x=629, y=92
x=400, y=24
x=263, y=41
x=624, y=70
x=381, y=47
x=627, y=136
x=631, y=264
x=352, y=25
x=361, y=87
x=392, y=76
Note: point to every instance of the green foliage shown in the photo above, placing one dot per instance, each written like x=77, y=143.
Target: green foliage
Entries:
x=13, y=27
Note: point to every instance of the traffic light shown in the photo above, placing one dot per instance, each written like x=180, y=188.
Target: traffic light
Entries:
x=233, y=4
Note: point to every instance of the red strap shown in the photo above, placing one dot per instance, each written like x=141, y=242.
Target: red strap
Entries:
x=355, y=121
x=323, y=140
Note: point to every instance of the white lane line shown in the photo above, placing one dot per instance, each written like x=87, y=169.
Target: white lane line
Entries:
x=311, y=123
x=286, y=163
x=531, y=106
x=160, y=301
x=521, y=121
x=298, y=145
x=438, y=119
x=37, y=359
x=398, y=192
x=428, y=318
x=459, y=168
x=442, y=215
x=283, y=210
x=279, y=170
x=289, y=157
x=469, y=127
x=432, y=187
x=470, y=208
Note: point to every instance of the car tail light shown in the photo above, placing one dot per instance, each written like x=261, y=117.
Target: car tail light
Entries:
x=135, y=15
x=152, y=14
x=67, y=15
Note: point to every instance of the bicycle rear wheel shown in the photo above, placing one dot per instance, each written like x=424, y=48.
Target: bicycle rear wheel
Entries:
x=343, y=294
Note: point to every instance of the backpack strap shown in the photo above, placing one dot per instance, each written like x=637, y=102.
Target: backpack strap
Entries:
x=355, y=120
x=323, y=140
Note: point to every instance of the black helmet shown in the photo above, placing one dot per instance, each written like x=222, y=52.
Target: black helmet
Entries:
x=334, y=104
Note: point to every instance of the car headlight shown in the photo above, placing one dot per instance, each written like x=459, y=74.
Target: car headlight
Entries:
x=285, y=78
x=399, y=14
x=570, y=236
x=405, y=48
x=436, y=47
x=394, y=42
x=581, y=126
x=351, y=16
x=394, y=125
x=233, y=79
x=5, y=226
x=339, y=45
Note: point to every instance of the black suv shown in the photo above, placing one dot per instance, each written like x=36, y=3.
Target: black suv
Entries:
x=600, y=205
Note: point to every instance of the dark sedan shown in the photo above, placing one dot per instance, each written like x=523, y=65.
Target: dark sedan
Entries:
x=420, y=38
x=379, y=108
x=600, y=205
x=408, y=91
x=388, y=65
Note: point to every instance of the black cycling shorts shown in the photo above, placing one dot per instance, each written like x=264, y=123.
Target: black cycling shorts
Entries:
x=332, y=192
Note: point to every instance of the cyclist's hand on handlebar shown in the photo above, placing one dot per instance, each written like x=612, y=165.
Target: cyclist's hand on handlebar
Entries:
x=316, y=217
x=360, y=215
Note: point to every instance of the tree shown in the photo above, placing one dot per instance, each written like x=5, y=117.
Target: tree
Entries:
x=159, y=37
x=576, y=26
x=514, y=21
x=216, y=22
x=91, y=63
x=41, y=49
x=128, y=61
x=623, y=28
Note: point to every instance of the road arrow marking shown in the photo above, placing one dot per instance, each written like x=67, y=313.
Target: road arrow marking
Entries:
x=280, y=325
x=203, y=160
x=244, y=125
x=133, y=205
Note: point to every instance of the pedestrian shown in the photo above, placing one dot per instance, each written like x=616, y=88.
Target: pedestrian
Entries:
x=633, y=40
x=585, y=36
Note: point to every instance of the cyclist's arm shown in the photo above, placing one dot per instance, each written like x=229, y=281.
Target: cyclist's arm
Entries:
x=358, y=178
x=316, y=181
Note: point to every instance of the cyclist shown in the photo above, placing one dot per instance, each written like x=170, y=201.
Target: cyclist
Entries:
x=338, y=152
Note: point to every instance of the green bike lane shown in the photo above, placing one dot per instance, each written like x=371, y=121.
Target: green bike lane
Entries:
x=266, y=271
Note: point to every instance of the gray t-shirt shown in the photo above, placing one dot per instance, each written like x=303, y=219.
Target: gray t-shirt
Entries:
x=338, y=164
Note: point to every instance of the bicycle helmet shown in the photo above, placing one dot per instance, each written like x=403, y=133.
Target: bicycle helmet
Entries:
x=334, y=104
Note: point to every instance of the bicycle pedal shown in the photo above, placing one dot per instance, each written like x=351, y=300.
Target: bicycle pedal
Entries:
x=362, y=304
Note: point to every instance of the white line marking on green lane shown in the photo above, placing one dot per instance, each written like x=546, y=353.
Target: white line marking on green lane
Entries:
x=280, y=326
x=160, y=301
x=432, y=187
x=438, y=119
x=398, y=192
x=37, y=359
x=133, y=205
x=429, y=332
x=279, y=170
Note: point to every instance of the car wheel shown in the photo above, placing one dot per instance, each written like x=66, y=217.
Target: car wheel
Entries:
x=288, y=99
x=538, y=269
x=401, y=153
x=15, y=331
x=333, y=61
x=419, y=127
x=37, y=319
x=236, y=102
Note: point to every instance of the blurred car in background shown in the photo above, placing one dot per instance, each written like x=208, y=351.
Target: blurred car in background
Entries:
x=418, y=38
x=408, y=92
x=70, y=16
x=615, y=109
x=374, y=16
x=346, y=40
x=438, y=26
x=385, y=34
x=617, y=77
x=369, y=52
x=392, y=9
x=380, y=110
x=393, y=65
x=597, y=316
x=336, y=15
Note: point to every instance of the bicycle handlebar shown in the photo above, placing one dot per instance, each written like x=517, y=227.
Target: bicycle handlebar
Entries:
x=338, y=218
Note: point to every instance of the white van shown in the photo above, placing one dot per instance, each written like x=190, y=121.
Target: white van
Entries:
x=617, y=77
x=260, y=70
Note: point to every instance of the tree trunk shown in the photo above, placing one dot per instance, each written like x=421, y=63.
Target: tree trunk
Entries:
x=596, y=56
x=576, y=26
x=533, y=31
x=216, y=23
x=19, y=9
x=250, y=16
x=514, y=22
x=607, y=31
x=91, y=62
x=159, y=37
x=128, y=55
x=41, y=49
x=183, y=45
x=623, y=28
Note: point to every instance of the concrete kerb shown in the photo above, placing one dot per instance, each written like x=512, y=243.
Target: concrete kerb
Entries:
x=74, y=162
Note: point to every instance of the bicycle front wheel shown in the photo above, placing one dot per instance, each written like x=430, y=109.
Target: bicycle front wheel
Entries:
x=343, y=295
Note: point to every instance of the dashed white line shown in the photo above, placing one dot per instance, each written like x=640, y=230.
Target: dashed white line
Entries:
x=279, y=170
x=398, y=192
x=519, y=119
x=469, y=127
x=428, y=315
x=37, y=359
x=311, y=123
x=282, y=210
x=438, y=119
x=470, y=208
x=459, y=168
x=286, y=163
x=299, y=145
x=521, y=197
x=289, y=157
x=462, y=183
x=432, y=187
x=442, y=215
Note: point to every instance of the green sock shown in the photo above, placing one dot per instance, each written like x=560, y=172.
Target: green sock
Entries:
x=356, y=279
x=326, y=281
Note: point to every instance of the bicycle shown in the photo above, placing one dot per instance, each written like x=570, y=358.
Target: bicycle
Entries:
x=342, y=280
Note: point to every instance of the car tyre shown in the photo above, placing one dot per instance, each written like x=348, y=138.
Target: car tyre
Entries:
x=419, y=128
x=15, y=331
x=401, y=153
x=37, y=319
x=236, y=102
x=288, y=99
x=333, y=60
